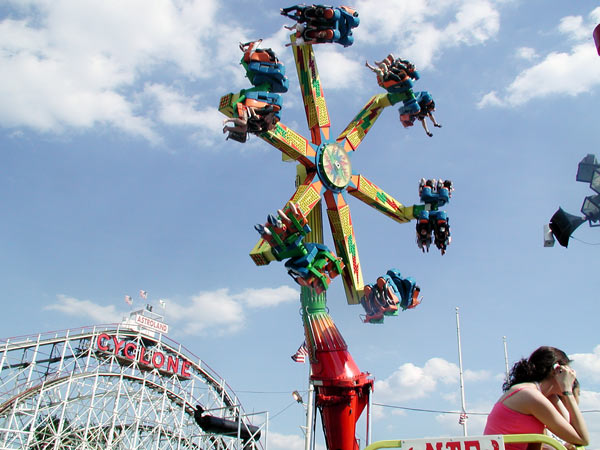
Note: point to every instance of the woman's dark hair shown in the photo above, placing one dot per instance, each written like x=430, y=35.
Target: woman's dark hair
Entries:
x=537, y=367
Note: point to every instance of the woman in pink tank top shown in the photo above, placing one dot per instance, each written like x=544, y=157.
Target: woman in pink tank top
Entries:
x=532, y=394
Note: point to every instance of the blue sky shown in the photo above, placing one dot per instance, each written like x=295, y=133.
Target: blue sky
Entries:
x=115, y=177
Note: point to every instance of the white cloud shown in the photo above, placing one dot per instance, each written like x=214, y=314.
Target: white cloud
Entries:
x=589, y=401
x=390, y=19
x=53, y=83
x=86, y=309
x=278, y=441
x=571, y=73
x=477, y=375
x=217, y=312
x=415, y=25
x=221, y=312
x=175, y=109
x=526, y=53
x=285, y=441
x=77, y=64
x=267, y=297
x=410, y=382
x=573, y=27
x=476, y=22
x=558, y=74
x=329, y=61
x=587, y=365
x=490, y=99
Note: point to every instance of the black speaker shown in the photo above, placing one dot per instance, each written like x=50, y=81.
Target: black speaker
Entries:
x=563, y=224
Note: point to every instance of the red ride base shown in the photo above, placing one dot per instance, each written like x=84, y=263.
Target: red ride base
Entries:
x=342, y=392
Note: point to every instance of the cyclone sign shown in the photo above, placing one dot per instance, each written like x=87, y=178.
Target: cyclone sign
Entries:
x=142, y=356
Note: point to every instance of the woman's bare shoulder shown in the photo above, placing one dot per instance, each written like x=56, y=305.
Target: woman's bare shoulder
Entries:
x=520, y=394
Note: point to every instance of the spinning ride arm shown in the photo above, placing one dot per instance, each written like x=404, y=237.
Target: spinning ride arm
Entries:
x=227, y=105
x=290, y=143
x=370, y=194
x=358, y=128
x=342, y=230
x=285, y=139
x=315, y=106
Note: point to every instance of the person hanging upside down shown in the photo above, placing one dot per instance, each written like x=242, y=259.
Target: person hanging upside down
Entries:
x=299, y=29
x=309, y=35
x=426, y=108
x=399, y=66
x=384, y=74
x=320, y=24
x=254, y=120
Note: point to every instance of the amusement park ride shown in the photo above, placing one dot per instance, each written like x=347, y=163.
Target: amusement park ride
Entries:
x=325, y=172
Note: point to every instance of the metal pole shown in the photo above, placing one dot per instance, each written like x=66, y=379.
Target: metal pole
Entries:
x=309, y=413
x=462, y=385
x=369, y=422
x=91, y=408
x=4, y=355
x=506, y=357
x=58, y=443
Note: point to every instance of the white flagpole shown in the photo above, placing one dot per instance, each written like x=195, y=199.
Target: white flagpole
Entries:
x=506, y=357
x=309, y=411
x=369, y=421
x=462, y=385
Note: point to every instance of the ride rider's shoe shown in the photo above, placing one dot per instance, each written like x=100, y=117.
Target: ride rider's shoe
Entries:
x=388, y=296
x=415, y=300
x=374, y=312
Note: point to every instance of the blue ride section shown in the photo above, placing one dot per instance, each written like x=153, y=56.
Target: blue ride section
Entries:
x=259, y=73
x=345, y=23
x=389, y=293
x=432, y=223
x=267, y=75
x=309, y=264
x=392, y=291
x=269, y=98
x=323, y=24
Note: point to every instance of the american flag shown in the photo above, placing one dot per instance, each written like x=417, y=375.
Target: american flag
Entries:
x=128, y=300
x=462, y=419
x=143, y=294
x=301, y=354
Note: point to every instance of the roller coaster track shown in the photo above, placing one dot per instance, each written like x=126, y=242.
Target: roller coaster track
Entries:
x=74, y=384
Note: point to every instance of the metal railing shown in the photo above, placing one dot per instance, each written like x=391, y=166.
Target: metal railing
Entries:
x=469, y=442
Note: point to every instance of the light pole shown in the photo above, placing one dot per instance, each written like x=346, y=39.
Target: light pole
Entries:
x=563, y=224
x=506, y=357
x=588, y=171
x=308, y=434
x=463, y=415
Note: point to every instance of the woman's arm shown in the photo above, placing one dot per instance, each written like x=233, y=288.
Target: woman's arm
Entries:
x=555, y=400
x=575, y=417
x=573, y=430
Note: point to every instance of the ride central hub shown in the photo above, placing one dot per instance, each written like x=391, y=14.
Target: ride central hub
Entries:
x=333, y=166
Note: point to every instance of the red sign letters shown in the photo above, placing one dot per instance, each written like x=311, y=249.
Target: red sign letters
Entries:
x=140, y=355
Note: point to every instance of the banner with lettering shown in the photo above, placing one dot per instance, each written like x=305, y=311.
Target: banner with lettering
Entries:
x=490, y=442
